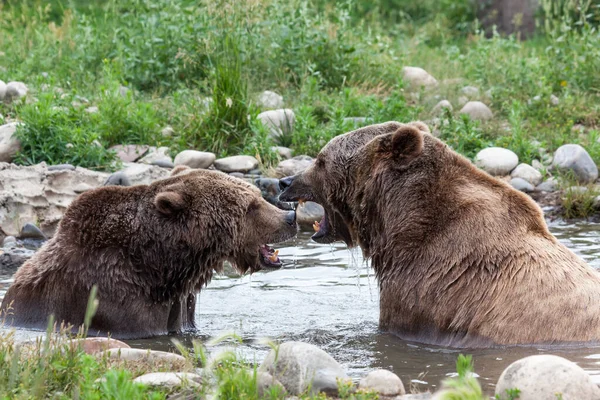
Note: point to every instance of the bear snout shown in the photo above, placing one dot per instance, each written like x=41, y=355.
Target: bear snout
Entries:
x=284, y=183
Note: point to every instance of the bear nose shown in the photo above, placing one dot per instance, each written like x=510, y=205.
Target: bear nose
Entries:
x=290, y=218
x=284, y=183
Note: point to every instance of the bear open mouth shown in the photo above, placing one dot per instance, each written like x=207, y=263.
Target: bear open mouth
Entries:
x=269, y=258
x=321, y=228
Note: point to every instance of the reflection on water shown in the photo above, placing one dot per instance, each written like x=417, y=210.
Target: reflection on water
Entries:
x=326, y=295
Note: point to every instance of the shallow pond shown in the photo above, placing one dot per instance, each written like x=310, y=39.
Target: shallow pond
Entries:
x=326, y=295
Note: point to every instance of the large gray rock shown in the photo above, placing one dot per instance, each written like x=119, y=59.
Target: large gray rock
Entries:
x=155, y=155
x=441, y=106
x=270, y=100
x=9, y=144
x=195, y=159
x=528, y=173
x=521, y=185
x=476, y=110
x=573, y=157
x=265, y=383
x=496, y=161
x=236, y=164
x=15, y=91
x=2, y=90
x=416, y=78
x=470, y=91
x=384, y=382
x=293, y=166
x=36, y=194
x=141, y=354
x=30, y=231
x=283, y=152
x=548, y=186
x=169, y=379
x=279, y=122
x=547, y=377
x=309, y=212
x=300, y=366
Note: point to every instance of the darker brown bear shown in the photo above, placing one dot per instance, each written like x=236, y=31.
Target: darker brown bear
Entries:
x=461, y=258
x=149, y=249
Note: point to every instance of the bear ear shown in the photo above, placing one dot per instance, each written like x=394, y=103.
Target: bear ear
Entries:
x=169, y=203
x=422, y=126
x=178, y=170
x=403, y=145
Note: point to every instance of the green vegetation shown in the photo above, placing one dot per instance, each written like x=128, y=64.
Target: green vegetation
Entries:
x=198, y=66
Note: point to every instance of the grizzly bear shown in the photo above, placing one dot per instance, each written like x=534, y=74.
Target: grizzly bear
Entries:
x=149, y=249
x=462, y=258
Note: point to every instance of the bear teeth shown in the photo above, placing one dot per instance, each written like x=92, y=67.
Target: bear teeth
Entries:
x=317, y=226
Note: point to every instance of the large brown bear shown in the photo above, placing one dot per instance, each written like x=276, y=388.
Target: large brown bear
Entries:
x=462, y=258
x=149, y=249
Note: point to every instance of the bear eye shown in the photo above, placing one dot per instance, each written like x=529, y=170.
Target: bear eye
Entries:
x=254, y=205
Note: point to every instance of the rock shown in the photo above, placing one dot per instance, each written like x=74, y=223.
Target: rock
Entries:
x=283, y=152
x=92, y=110
x=595, y=204
x=576, y=190
x=11, y=258
x=9, y=144
x=130, y=152
x=117, y=179
x=265, y=383
x=293, y=166
x=521, y=185
x=2, y=90
x=548, y=186
x=238, y=175
x=15, y=91
x=169, y=379
x=166, y=163
x=96, y=143
x=547, y=377
x=156, y=154
x=476, y=110
x=236, y=164
x=527, y=173
x=554, y=100
x=489, y=94
x=143, y=174
x=61, y=167
x=93, y=345
x=573, y=157
x=441, y=106
x=308, y=213
x=30, y=231
x=416, y=78
x=140, y=354
x=470, y=91
x=195, y=159
x=124, y=91
x=384, y=382
x=538, y=166
x=9, y=241
x=300, y=366
x=496, y=161
x=270, y=100
x=167, y=131
x=462, y=100
x=34, y=193
x=279, y=122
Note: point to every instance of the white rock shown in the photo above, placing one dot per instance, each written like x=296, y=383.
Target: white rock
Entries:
x=195, y=159
x=496, y=161
x=156, y=154
x=416, y=77
x=547, y=377
x=279, y=122
x=462, y=100
x=521, y=185
x=476, y=110
x=167, y=131
x=300, y=366
x=283, y=152
x=141, y=354
x=384, y=382
x=573, y=157
x=169, y=379
x=528, y=173
x=537, y=165
x=15, y=91
x=270, y=100
x=143, y=174
x=554, y=100
x=236, y=164
x=293, y=166
x=2, y=90
x=548, y=186
x=470, y=91
x=92, y=110
x=441, y=106
x=9, y=144
x=266, y=383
